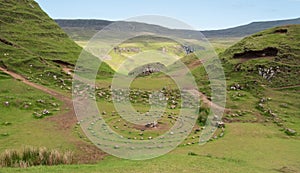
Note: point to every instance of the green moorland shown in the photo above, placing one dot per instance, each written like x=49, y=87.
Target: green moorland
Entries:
x=262, y=102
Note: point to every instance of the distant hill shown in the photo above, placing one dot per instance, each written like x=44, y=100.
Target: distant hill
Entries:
x=249, y=29
x=32, y=44
x=83, y=29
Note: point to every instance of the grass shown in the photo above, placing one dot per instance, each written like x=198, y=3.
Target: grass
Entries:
x=31, y=156
x=18, y=126
x=230, y=154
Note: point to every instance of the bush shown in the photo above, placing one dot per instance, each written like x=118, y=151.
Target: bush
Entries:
x=202, y=117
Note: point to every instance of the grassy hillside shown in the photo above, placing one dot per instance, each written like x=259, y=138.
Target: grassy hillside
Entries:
x=33, y=45
x=262, y=73
x=270, y=56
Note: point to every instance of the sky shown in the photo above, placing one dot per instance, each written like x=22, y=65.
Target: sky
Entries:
x=200, y=14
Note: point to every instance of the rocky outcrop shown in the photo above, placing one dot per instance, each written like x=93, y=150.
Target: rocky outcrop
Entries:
x=268, y=72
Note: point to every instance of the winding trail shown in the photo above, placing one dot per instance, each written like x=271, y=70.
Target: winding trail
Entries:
x=88, y=153
x=209, y=103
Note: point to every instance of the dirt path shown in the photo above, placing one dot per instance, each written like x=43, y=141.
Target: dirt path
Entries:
x=194, y=64
x=87, y=152
x=209, y=103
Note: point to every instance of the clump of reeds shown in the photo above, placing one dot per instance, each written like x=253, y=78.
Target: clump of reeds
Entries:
x=31, y=156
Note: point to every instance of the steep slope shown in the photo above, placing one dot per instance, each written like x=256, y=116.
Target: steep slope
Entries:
x=271, y=56
x=33, y=45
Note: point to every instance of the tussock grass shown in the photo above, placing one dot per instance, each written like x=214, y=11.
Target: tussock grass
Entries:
x=32, y=156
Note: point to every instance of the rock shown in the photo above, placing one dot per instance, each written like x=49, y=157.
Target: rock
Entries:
x=262, y=100
x=7, y=123
x=267, y=73
x=6, y=103
x=37, y=115
x=54, y=104
x=236, y=87
x=273, y=114
x=40, y=101
x=220, y=124
x=151, y=125
x=4, y=134
x=45, y=112
x=290, y=132
x=261, y=105
x=26, y=106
